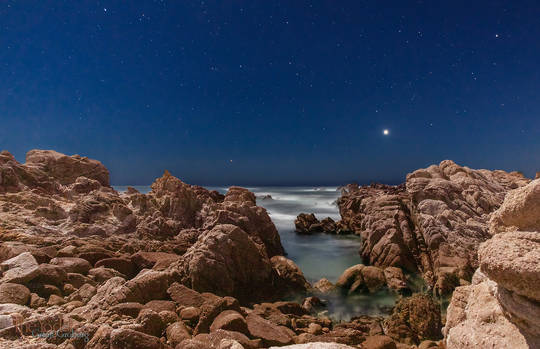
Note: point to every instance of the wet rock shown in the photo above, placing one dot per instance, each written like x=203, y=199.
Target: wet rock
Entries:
x=290, y=280
x=350, y=276
x=307, y=224
x=373, y=278
x=396, y=280
x=324, y=286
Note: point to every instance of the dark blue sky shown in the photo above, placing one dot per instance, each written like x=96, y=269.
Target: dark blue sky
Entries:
x=293, y=92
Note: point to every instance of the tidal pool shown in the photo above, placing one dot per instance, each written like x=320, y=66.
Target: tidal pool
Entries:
x=318, y=255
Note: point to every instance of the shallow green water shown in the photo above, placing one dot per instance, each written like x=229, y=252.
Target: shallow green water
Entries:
x=318, y=255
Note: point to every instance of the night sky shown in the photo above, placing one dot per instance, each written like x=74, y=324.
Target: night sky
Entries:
x=262, y=92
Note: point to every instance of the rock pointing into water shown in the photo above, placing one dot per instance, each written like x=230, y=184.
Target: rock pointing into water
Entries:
x=309, y=224
x=433, y=223
x=501, y=308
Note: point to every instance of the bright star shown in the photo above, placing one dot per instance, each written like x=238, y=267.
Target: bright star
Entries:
x=385, y=132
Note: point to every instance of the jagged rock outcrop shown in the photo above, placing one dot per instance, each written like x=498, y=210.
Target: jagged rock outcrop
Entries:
x=502, y=306
x=309, y=224
x=66, y=169
x=433, y=223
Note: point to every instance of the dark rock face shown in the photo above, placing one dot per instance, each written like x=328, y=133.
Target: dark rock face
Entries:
x=309, y=224
x=433, y=223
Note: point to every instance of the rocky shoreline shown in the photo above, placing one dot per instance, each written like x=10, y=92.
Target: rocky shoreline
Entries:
x=84, y=266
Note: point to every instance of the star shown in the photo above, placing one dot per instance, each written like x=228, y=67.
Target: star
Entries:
x=496, y=35
x=386, y=132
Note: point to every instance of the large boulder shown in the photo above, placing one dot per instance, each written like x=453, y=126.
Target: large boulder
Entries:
x=225, y=261
x=520, y=210
x=19, y=269
x=239, y=208
x=14, y=293
x=476, y=319
x=513, y=261
x=289, y=278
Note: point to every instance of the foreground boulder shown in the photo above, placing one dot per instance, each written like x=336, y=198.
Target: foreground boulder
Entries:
x=501, y=308
x=226, y=261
